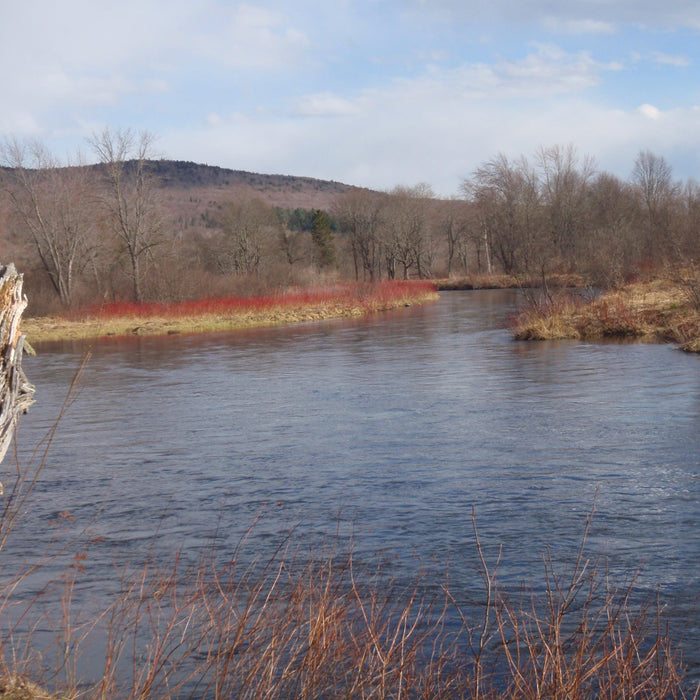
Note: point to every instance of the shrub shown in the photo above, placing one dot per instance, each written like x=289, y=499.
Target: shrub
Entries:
x=325, y=625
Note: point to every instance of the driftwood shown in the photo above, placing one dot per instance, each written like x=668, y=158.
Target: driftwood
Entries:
x=16, y=393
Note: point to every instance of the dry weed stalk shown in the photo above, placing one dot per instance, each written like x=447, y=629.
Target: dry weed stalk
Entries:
x=325, y=625
x=585, y=638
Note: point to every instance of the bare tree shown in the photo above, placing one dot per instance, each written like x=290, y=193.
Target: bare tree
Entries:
x=406, y=239
x=54, y=202
x=612, y=242
x=130, y=198
x=652, y=177
x=507, y=198
x=563, y=185
x=454, y=219
x=293, y=245
x=690, y=221
x=246, y=226
x=360, y=213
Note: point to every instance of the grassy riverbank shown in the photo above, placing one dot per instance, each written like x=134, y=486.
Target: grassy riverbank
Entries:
x=665, y=309
x=211, y=315
x=483, y=281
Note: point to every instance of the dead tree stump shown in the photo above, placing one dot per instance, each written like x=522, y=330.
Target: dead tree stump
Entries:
x=16, y=393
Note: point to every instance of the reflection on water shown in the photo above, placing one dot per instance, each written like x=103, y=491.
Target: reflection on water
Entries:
x=392, y=428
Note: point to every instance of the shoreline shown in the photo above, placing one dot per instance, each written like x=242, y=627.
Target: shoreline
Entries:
x=181, y=319
x=658, y=310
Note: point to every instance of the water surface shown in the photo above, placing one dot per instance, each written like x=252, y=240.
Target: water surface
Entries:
x=393, y=429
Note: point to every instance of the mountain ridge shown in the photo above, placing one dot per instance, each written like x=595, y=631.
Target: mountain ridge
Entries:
x=287, y=191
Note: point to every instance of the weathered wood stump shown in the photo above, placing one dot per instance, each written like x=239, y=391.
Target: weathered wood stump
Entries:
x=16, y=393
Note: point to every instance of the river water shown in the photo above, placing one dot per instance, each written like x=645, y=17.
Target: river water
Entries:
x=393, y=429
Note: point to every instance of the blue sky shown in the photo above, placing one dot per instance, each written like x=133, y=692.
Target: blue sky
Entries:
x=374, y=93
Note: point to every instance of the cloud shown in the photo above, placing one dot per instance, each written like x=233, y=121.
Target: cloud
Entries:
x=550, y=69
x=372, y=93
x=326, y=104
x=440, y=126
x=84, y=61
x=544, y=71
x=247, y=36
x=649, y=111
x=668, y=60
x=559, y=25
x=581, y=16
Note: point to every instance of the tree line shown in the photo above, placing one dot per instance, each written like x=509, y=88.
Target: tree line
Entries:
x=558, y=213
x=88, y=233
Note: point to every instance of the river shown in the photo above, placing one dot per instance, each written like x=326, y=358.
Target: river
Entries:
x=391, y=430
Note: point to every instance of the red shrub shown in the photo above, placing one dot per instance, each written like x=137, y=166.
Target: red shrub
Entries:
x=366, y=295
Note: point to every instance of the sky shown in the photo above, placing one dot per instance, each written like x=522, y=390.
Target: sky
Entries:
x=374, y=93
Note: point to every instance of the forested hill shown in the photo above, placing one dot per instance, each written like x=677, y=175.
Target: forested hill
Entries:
x=279, y=190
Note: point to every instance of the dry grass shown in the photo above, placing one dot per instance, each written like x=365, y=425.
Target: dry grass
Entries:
x=484, y=281
x=661, y=309
x=211, y=315
x=323, y=625
x=19, y=688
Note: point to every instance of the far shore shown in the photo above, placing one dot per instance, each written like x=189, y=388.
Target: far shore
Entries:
x=175, y=319
x=656, y=310
x=210, y=316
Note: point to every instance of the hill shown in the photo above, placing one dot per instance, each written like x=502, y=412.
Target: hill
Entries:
x=212, y=183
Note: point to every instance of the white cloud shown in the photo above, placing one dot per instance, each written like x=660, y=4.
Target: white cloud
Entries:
x=649, y=111
x=247, y=36
x=372, y=93
x=326, y=104
x=438, y=128
x=551, y=69
x=580, y=15
x=545, y=71
x=578, y=26
x=668, y=60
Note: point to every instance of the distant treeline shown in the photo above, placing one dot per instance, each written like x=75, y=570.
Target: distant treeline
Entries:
x=133, y=227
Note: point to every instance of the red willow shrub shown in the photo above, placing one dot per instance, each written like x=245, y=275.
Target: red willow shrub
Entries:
x=368, y=296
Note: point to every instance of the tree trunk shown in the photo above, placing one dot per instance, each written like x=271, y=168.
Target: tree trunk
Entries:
x=16, y=393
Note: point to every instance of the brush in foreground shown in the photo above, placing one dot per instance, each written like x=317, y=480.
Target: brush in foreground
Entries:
x=328, y=626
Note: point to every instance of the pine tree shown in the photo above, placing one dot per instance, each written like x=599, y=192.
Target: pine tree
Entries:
x=322, y=236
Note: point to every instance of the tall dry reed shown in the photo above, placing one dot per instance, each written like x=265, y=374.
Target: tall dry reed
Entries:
x=328, y=624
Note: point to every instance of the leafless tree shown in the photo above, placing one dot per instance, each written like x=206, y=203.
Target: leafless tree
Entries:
x=653, y=177
x=506, y=195
x=361, y=213
x=130, y=198
x=54, y=203
x=612, y=245
x=563, y=185
x=456, y=222
x=653, y=180
x=247, y=226
x=406, y=232
x=294, y=246
x=690, y=223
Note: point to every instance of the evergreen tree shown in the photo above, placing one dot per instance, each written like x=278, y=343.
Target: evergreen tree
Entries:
x=322, y=236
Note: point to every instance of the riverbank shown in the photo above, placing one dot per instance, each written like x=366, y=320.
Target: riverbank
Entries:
x=215, y=315
x=658, y=310
x=483, y=281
